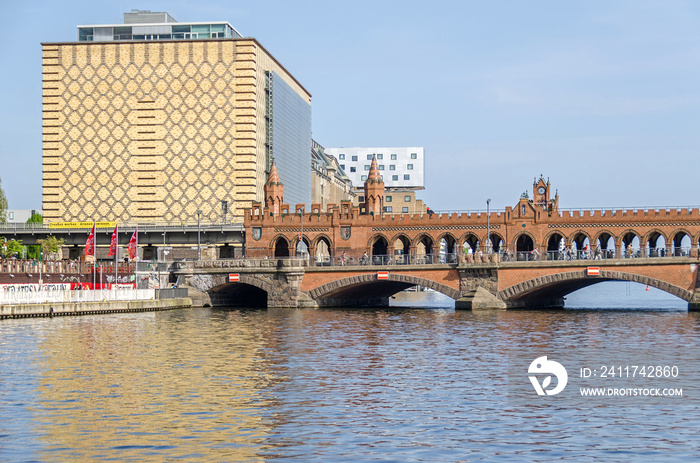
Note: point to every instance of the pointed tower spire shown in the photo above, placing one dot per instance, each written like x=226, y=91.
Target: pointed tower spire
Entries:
x=274, y=190
x=374, y=189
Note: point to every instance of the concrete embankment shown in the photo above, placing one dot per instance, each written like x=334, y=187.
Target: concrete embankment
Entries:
x=91, y=308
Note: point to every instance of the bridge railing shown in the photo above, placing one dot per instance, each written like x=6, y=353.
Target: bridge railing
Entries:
x=603, y=254
x=59, y=296
x=33, y=266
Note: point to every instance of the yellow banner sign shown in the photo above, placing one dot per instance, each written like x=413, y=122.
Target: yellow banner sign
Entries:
x=82, y=225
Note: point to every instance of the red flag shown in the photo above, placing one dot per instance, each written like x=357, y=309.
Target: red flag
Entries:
x=113, y=244
x=133, y=244
x=90, y=243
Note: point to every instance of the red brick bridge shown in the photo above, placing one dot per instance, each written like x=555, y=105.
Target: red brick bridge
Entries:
x=484, y=285
x=530, y=255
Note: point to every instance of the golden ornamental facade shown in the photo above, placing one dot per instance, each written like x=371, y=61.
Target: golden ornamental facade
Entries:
x=156, y=131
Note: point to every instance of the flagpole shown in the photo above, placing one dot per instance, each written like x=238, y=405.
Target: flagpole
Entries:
x=94, y=256
x=116, y=254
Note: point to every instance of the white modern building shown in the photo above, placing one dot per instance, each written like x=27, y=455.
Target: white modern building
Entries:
x=400, y=167
x=20, y=215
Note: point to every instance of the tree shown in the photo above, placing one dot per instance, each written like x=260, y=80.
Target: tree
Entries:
x=51, y=244
x=3, y=204
x=35, y=218
x=11, y=248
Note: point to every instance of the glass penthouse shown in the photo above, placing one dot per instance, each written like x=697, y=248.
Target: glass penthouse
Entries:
x=147, y=25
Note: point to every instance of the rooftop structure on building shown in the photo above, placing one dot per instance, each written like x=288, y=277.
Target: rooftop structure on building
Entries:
x=150, y=25
x=146, y=122
x=399, y=167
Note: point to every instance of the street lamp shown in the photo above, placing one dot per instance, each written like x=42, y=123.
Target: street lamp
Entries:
x=488, y=226
x=199, y=246
x=300, y=247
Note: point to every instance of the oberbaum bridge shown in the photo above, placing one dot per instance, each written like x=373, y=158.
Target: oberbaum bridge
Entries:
x=528, y=256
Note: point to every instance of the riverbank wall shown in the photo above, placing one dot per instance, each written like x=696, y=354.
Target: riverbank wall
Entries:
x=91, y=308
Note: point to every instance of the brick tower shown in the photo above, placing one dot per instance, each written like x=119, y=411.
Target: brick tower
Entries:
x=274, y=191
x=374, y=190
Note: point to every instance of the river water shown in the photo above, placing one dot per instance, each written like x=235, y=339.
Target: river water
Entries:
x=398, y=384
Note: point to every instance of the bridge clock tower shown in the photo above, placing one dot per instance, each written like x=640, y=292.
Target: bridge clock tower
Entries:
x=541, y=196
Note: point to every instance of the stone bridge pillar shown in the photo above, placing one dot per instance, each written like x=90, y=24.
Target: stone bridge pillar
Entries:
x=479, y=286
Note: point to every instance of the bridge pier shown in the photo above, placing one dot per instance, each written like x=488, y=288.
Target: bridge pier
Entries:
x=478, y=286
x=479, y=299
x=694, y=303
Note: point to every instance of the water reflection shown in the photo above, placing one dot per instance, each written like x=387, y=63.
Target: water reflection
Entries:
x=320, y=385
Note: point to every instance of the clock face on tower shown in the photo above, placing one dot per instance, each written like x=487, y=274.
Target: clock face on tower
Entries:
x=541, y=190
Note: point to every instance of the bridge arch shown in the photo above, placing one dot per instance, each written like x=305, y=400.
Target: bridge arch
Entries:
x=679, y=242
x=279, y=246
x=249, y=291
x=470, y=239
x=424, y=246
x=603, y=246
x=378, y=245
x=400, y=246
x=553, y=241
x=295, y=245
x=578, y=239
x=321, y=248
x=451, y=250
x=368, y=286
x=626, y=241
x=497, y=241
x=560, y=284
x=524, y=243
x=650, y=243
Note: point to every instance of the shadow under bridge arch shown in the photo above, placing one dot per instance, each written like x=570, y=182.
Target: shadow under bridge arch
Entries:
x=248, y=292
x=368, y=291
x=547, y=290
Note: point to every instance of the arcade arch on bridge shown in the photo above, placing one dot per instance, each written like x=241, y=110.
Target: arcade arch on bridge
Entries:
x=448, y=247
x=524, y=245
x=424, y=249
x=630, y=244
x=401, y=246
x=469, y=241
x=280, y=247
x=379, y=247
x=682, y=242
x=321, y=250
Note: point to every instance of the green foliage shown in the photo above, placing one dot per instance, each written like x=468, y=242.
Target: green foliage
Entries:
x=3, y=204
x=34, y=251
x=36, y=218
x=11, y=248
x=51, y=244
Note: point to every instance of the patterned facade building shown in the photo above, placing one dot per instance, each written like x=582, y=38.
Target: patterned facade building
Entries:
x=149, y=128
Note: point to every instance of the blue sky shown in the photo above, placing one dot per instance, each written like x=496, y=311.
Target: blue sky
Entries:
x=602, y=97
